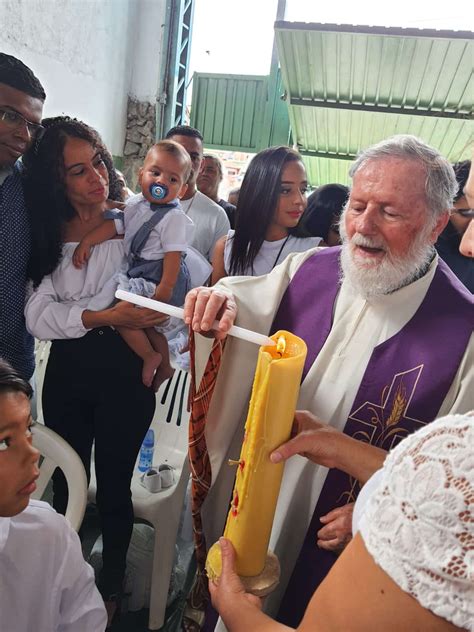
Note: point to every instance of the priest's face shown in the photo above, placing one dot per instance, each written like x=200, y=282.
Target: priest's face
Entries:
x=387, y=228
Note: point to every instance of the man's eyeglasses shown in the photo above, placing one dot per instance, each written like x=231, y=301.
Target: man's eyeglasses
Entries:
x=15, y=120
x=468, y=213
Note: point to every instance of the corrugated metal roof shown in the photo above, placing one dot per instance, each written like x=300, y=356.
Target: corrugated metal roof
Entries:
x=239, y=112
x=228, y=110
x=349, y=87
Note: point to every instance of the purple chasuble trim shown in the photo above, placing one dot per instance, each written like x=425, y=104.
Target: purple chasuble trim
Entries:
x=307, y=309
x=403, y=387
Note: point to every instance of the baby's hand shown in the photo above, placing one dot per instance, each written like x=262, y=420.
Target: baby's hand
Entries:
x=163, y=292
x=81, y=254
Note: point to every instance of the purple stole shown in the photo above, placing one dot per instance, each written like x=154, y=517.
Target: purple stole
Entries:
x=403, y=387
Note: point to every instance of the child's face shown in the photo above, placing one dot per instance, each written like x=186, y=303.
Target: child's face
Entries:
x=161, y=167
x=18, y=458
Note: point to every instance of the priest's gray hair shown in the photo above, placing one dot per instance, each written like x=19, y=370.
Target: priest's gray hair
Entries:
x=440, y=181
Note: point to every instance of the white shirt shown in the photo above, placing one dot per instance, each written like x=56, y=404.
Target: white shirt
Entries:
x=328, y=391
x=45, y=584
x=172, y=234
x=271, y=253
x=210, y=221
x=54, y=310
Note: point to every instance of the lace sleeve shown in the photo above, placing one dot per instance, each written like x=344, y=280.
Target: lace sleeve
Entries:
x=419, y=524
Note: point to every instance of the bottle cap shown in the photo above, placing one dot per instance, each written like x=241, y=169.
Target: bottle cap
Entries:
x=149, y=437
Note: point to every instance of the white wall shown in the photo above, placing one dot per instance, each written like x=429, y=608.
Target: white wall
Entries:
x=147, y=41
x=89, y=55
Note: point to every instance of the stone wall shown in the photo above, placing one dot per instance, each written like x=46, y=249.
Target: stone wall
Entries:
x=140, y=135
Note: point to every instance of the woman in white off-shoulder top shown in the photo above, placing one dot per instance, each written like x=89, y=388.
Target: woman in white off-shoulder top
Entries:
x=410, y=564
x=272, y=201
x=92, y=390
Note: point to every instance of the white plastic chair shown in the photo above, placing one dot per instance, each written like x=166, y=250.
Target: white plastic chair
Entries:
x=163, y=509
x=42, y=348
x=58, y=453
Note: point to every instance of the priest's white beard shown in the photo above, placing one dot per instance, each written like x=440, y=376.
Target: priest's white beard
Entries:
x=375, y=278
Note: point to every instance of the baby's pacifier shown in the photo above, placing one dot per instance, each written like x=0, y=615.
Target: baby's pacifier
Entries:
x=158, y=191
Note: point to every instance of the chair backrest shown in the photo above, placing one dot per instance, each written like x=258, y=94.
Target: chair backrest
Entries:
x=171, y=415
x=42, y=348
x=58, y=453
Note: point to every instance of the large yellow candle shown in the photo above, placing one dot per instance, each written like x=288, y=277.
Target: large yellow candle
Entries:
x=269, y=421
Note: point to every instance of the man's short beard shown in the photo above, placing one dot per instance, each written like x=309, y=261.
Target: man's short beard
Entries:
x=390, y=274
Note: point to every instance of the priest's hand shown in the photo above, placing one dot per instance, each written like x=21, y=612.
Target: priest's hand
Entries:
x=228, y=593
x=311, y=438
x=337, y=531
x=204, y=305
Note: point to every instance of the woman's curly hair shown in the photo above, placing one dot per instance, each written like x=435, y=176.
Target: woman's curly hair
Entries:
x=45, y=193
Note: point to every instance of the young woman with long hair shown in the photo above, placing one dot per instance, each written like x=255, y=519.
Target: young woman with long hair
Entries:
x=271, y=203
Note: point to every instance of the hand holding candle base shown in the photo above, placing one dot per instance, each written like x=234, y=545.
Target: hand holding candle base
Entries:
x=259, y=585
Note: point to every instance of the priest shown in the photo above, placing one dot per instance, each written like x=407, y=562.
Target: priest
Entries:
x=389, y=331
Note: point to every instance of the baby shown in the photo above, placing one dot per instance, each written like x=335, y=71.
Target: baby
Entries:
x=156, y=235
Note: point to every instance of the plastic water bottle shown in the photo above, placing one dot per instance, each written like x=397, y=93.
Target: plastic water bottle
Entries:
x=146, y=451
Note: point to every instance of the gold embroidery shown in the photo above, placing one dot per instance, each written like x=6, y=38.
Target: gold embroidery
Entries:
x=375, y=426
x=379, y=424
x=399, y=404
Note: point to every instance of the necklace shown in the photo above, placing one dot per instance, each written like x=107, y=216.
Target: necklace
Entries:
x=280, y=251
x=186, y=212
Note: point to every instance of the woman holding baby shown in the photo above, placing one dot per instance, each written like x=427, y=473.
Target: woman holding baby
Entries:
x=93, y=389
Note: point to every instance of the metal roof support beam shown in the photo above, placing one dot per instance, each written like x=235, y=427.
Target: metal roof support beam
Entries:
x=325, y=154
x=391, y=31
x=171, y=100
x=383, y=109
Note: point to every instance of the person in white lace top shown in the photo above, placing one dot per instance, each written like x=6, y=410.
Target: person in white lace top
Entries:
x=411, y=565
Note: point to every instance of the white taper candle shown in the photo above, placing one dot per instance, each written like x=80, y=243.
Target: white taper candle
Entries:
x=178, y=312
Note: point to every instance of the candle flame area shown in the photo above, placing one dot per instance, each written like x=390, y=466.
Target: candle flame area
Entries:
x=281, y=345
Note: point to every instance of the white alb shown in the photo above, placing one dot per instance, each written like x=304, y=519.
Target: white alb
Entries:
x=418, y=525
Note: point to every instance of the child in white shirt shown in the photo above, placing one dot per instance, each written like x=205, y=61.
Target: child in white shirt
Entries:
x=45, y=584
x=156, y=234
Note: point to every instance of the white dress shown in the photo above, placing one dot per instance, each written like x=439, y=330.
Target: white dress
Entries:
x=416, y=517
x=271, y=253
